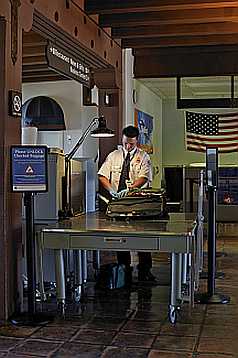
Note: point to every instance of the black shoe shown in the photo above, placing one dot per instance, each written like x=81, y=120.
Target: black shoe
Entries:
x=146, y=276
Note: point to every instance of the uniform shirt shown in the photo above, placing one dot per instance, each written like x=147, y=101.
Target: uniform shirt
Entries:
x=140, y=166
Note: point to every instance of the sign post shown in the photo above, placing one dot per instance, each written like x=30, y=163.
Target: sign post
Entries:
x=29, y=175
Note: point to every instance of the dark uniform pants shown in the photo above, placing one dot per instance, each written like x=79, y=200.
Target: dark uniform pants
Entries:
x=145, y=259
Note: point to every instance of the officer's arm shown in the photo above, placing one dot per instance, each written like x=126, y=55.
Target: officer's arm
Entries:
x=107, y=185
x=104, y=182
x=138, y=183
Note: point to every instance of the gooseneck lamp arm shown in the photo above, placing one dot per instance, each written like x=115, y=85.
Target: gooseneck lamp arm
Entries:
x=81, y=139
x=101, y=131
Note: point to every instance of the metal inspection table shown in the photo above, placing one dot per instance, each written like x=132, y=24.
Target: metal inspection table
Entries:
x=94, y=231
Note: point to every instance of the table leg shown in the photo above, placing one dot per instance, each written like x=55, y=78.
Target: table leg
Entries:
x=60, y=280
x=176, y=271
x=179, y=277
x=184, y=269
x=78, y=275
x=84, y=265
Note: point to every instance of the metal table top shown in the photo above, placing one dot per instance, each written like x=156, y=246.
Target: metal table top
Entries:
x=98, y=224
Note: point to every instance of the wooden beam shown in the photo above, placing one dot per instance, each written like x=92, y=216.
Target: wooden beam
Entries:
x=43, y=79
x=33, y=51
x=180, y=41
x=116, y=7
x=32, y=38
x=32, y=68
x=46, y=73
x=34, y=60
x=174, y=51
x=207, y=103
x=220, y=28
x=182, y=62
x=169, y=17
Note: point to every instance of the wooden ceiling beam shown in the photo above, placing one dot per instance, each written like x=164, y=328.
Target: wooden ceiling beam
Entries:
x=116, y=7
x=169, y=17
x=33, y=51
x=34, y=44
x=32, y=38
x=33, y=68
x=34, y=60
x=46, y=73
x=42, y=79
x=202, y=29
x=205, y=40
x=196, y=50
x=195, y=61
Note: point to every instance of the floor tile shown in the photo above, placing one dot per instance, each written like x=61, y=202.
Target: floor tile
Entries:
x=94, y=336
x=181, y=329
x=138, y=326
x=228, y=309
x=160, y=354
x=222, y=319
x=175, y=343
x=75, y=350
x=216, y=355
x=108, y=323
x=219, y=331
x=218, y=345
x=149, y=316
x=36, y=347
x=23, y=355
x=55, y=333
x=16, y=331
x=133, y=340
x=9, y=343
x=119, y=352
x=70, y=321
x=193, y=318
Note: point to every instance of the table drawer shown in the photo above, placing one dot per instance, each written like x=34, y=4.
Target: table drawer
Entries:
x=178, y=244
x=56, y=241
x=112, y=243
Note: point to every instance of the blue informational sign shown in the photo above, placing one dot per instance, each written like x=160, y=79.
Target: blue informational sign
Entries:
x=29, y=168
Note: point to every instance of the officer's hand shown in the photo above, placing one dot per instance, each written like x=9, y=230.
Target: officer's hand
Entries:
x=113, y=194
x=122, y=193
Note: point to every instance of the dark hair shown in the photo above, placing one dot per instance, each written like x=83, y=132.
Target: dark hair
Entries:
x=131, y=132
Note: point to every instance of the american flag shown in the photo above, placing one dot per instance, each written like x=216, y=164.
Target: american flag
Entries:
x=212, y=130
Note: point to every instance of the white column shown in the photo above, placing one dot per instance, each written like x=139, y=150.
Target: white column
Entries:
x=128, y=108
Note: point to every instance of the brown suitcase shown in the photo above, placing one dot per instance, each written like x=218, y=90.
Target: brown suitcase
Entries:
x=139, y=203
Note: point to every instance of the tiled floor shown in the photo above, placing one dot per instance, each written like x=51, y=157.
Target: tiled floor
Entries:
x=134, y=324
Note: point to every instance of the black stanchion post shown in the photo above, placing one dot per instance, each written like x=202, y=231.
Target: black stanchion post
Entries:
x=211, y=241
x=212, y=172
x=30, y=253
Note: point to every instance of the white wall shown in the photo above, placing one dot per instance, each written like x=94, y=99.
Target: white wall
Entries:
x=174, y=150
x=151, y=104
x=148, y=102
x=128, y=86
x=77, y=117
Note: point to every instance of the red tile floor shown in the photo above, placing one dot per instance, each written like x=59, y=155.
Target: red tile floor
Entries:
x=134, y=323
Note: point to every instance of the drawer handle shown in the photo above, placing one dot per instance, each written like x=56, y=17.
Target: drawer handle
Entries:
x=112, y=240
